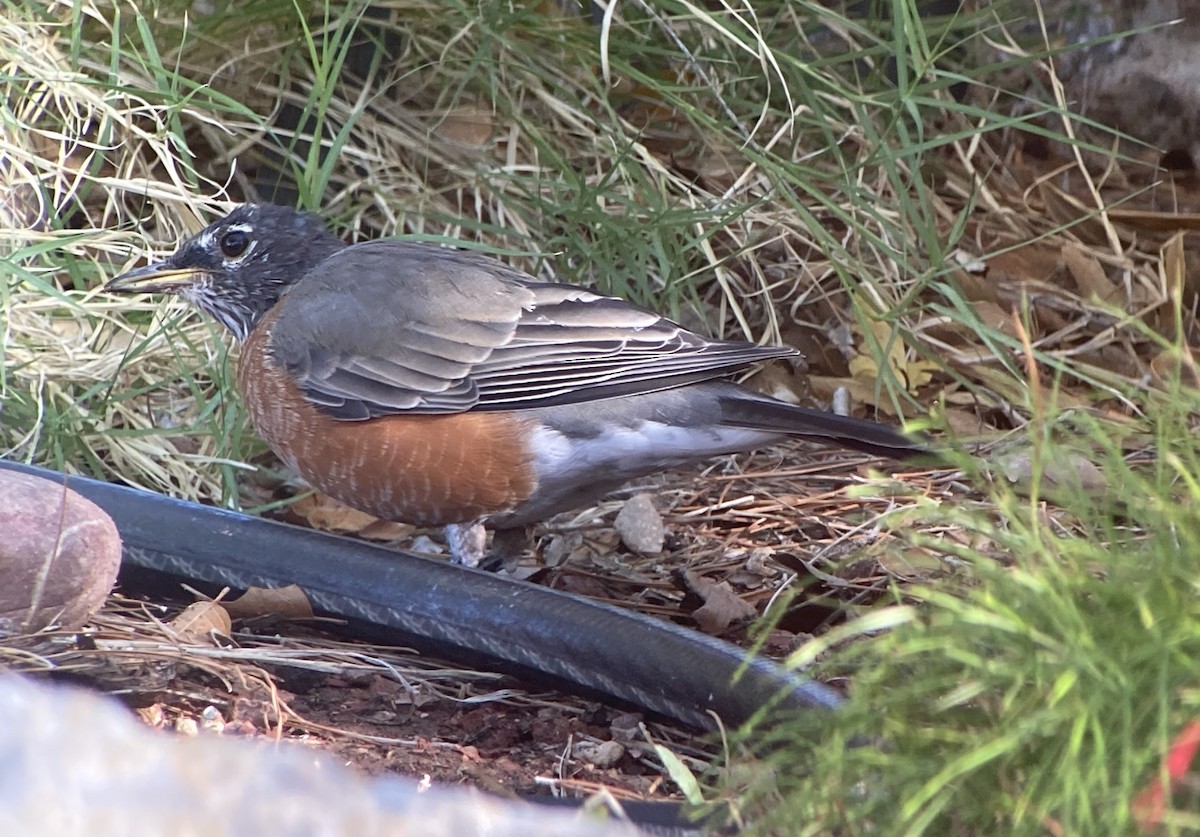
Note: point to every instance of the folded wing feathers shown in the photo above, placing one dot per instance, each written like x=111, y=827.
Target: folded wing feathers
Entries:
x=568, y=345
x=572, y=346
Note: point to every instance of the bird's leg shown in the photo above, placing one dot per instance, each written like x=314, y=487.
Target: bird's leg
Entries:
x=468, y=545
x=508, y=545
x=467, y=542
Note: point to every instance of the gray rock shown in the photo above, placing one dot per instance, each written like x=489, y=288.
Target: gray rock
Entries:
x=641, y=526
x=76, y=763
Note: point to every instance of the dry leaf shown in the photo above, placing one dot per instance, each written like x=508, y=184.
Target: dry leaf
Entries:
x=1173, y=267
x=586, y=586
x=821, y=353
x=975, y=287
x=1010, y=389
x=716, y=163
x=911, y=564
x=914, y=373
x=860, y=390
x=289, y=602
x=200, y=620
x=777, y=381
x=1153, y=221
x=965, y=422
x=995, y=317
x=1166, y=366
x=320, y=511
x=722, y=607
x=561, y=548
x=1030, y=263
x=387, y=531
x=1067, y=209
x=469, y=127
x=1060, y=469
x=1089, y=275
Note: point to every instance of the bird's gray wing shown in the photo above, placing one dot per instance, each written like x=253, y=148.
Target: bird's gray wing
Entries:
x=392, y=327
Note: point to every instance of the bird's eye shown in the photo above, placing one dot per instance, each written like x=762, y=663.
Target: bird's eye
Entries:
x=234, y=243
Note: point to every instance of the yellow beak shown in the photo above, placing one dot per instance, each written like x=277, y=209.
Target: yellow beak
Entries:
x=157, y=278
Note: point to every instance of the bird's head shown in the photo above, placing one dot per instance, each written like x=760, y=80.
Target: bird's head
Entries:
x=236, y=268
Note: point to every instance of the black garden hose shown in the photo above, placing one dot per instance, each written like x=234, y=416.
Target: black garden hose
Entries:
x=452, y=611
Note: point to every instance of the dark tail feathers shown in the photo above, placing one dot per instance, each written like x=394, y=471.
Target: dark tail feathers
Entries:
x=855, y=434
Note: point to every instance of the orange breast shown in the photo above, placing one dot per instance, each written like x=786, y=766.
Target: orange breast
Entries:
x=425, y=470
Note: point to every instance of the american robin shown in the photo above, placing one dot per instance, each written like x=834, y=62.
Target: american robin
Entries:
x=441, y=387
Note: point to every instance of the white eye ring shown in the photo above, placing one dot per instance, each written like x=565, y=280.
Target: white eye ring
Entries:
x=234, y=243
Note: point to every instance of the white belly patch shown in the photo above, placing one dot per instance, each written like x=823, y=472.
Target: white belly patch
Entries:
x=621, y=453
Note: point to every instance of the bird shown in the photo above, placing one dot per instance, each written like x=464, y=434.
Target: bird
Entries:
x=441, y=387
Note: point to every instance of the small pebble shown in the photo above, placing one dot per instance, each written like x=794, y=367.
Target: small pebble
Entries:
x=212, y=720
x=599, y=753
x=423, y=543
x=641, y=526
x=626, y=725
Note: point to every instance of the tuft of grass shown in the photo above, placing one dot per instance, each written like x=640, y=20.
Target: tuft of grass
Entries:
x=710, y=165
x=95, y=160
x=1041, y=693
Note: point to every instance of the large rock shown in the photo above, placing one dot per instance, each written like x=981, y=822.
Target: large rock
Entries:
x=75, y=763
x=59, y=555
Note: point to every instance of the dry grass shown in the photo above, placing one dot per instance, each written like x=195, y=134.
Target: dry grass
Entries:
x=140, y=392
